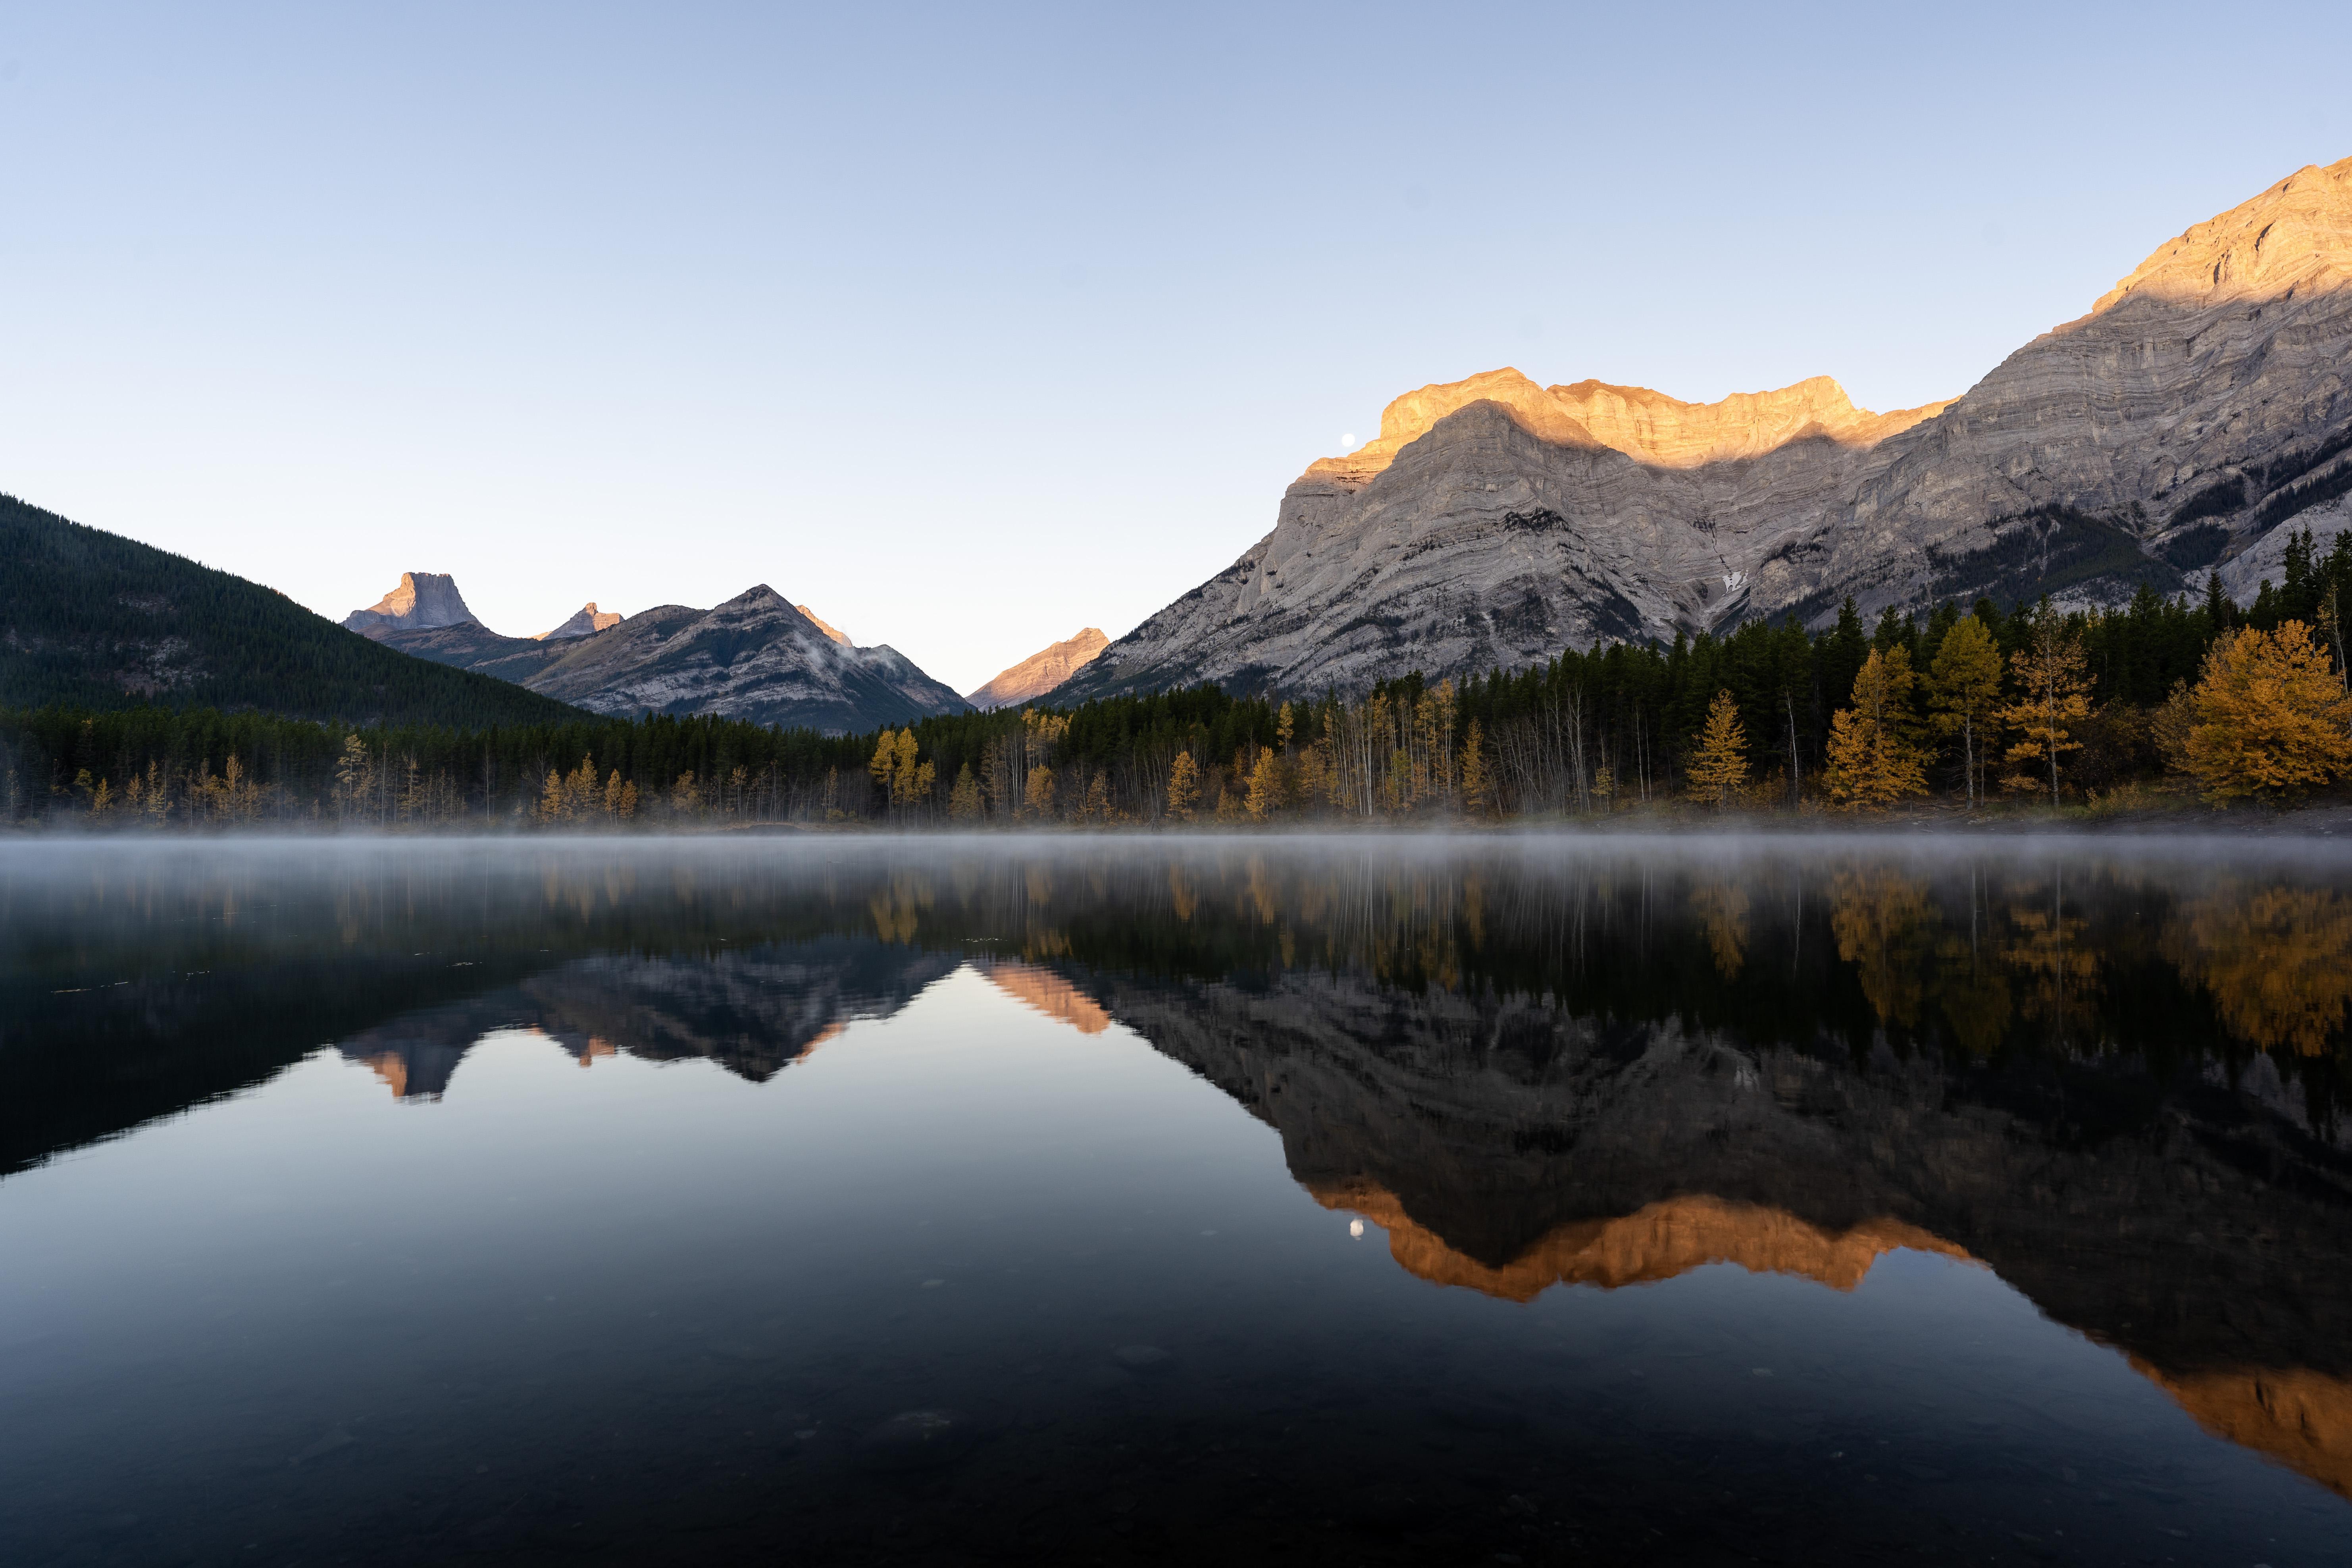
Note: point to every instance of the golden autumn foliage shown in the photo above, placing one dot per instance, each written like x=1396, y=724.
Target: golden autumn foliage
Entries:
x=1477, y=788
x=1265, y=792
x=1183, y=787
x=2267, y=718
x=964, y=799
x=2053, y=684
x=1964, y=690
x=1872, y=763
x=1718, y=763
x=903, y=779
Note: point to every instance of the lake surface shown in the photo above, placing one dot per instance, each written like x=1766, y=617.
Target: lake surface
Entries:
x=1505, y=1200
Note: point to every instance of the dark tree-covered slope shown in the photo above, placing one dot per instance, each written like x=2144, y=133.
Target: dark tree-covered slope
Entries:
x=90, y=619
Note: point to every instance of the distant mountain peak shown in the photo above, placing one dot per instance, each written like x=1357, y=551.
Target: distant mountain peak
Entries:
x=585, y=622
x=835, y=633
x=420, y=599
x=1041, y=671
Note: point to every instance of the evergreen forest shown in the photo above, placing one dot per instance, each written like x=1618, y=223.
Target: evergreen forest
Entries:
x=2160, y=700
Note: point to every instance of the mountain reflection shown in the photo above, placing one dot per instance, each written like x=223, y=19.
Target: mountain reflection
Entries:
x=2118, y=1085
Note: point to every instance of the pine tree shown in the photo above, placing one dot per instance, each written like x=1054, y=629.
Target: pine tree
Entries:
x=1871, y=761
x=1719, y=765
x=2269, y=717
x=1964, y=687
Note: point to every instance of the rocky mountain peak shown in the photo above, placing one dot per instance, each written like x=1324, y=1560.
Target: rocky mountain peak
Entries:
x=2297, y=234
x=835, y=633
x=1041, y=671
x=585, y=622
x=421, y=599
x=1648, y=426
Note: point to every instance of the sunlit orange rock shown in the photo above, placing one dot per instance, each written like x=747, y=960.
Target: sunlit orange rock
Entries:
x=1049, y=994
x=2302, y=1419
x=1657, y=1242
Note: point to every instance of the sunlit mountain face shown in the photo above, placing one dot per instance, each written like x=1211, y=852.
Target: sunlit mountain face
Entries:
x=1367, y=1199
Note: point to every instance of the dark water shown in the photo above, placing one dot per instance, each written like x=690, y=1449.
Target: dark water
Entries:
x=1101, y=1201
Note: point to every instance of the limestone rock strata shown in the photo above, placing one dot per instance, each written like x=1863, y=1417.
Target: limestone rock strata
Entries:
x=2200, y=406
x=1041, y=671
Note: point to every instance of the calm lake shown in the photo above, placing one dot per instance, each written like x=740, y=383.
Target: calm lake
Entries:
x=1362, y=1200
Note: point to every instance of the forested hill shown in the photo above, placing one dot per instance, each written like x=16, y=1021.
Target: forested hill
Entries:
x=89, y=619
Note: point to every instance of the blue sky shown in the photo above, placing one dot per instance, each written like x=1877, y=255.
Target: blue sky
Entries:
x=971, y=327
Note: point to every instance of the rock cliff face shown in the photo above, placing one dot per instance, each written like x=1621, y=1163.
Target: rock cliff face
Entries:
x=2202, y=405
x=755, y=658
x=419, y=600
x=1041, y=671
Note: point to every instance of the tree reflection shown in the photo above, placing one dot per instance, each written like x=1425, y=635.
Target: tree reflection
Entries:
x=2277, y=962
x=1881, y=920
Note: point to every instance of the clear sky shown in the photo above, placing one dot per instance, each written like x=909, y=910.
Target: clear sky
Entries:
x=971, y=326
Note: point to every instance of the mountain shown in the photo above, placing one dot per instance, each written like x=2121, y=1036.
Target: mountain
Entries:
x=1040, y=672
x=93, y=620
x=420, y=599
x=835, y=633
x=585, y=622
x=2198, y=407
x=755, y=658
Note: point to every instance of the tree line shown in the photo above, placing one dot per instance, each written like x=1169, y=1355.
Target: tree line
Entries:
x=2032, y=703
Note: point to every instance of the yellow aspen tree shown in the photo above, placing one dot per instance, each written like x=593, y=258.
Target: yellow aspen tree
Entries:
x=1872, y=762
x=551, y=799
x=2053, y=685
x=883, y=765
x=1039, y=795
x=628, y=801
x=1183, y=787
x=612, y=795
x=1964, y=689
x=2268, y=716
x=1719, y=765
x=1097, y=805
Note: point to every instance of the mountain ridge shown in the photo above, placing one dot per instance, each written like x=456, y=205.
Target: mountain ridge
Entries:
x=2199, y=404
x=94, y=620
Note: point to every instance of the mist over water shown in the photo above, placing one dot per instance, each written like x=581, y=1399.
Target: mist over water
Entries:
x=1362, y=1200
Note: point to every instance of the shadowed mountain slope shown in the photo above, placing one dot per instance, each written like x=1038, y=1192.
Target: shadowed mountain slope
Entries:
x=91, y=619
